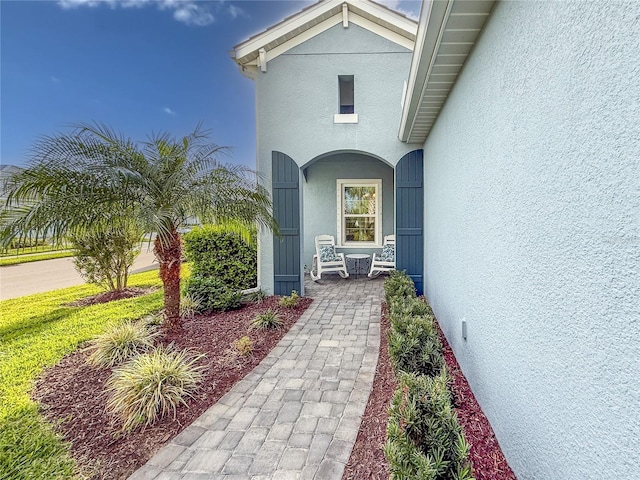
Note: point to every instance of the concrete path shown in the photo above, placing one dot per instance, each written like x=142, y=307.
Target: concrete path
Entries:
x=297, y=414
x=46, y=275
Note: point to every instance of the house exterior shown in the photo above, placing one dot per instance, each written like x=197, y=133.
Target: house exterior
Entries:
x=510, y=166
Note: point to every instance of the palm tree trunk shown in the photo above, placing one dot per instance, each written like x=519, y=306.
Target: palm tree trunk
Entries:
x=169, y=254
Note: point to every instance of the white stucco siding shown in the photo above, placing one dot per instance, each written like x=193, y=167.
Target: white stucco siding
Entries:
x=297, y=98
x=532, y=226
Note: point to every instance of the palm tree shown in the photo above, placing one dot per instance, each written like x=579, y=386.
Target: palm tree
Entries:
x=74, y=179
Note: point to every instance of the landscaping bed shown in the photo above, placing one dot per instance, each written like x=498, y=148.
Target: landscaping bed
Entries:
x=368, y=462
x=71, y=392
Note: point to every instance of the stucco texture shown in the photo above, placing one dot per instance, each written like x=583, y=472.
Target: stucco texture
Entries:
x=532, y=225
x=296, y=100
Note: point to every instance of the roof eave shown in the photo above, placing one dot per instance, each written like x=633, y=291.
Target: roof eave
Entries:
x=458, y=23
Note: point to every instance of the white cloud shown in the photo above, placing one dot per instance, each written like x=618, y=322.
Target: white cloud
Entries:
x=410, y=8
x=236, y=12
x=189, y=12
x=192, y=14
x=168, y=111
x=54, y=79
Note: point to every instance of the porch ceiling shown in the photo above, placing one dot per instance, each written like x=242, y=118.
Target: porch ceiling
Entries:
x=447, y=31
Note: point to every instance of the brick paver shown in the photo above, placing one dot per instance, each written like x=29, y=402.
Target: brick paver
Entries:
x=297, y=414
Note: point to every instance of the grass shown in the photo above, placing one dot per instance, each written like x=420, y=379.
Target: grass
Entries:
x=30, y=250
x=14, y=260
x=268, y=319
x=152, y=385
x=36, y=331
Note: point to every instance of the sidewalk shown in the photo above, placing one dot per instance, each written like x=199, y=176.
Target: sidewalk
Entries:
x=297, y=414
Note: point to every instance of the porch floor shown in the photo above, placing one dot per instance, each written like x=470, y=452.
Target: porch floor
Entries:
x=297, y=414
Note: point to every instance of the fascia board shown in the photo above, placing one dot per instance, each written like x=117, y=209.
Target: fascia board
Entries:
x=303, y=37
x=386, y=15
x=285, y=27
x=433, y=18
x=382, y=31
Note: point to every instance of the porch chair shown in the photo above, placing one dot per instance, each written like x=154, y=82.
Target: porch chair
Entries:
x=386, y=260
x=326, y=259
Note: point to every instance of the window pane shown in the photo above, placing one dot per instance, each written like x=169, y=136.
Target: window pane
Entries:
x=346, y=93
x=360, y=229
x=360, y=200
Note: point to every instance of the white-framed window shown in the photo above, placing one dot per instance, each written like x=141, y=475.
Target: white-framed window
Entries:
x=359, y=212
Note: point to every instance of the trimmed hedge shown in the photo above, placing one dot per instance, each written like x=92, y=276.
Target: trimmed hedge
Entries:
x=424, y=438
x=223, y=264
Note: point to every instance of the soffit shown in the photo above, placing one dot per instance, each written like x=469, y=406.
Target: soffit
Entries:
x=447, y=32
x=319, y=17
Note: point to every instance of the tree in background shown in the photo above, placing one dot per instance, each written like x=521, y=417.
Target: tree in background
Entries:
x=104, y=253
x=75, y=179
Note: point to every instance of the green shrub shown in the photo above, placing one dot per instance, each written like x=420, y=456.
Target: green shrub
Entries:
x=213, y=294
x=290, y=301
x=398, y=285
x=410, y=306
x=225, y=255
x=414, y=345
x=243, y=345
x=257, y=296
x=104, y=253
x=424, y=438
x=268, y=319
x=152, y=385
x=189, y=306
x=120, y=343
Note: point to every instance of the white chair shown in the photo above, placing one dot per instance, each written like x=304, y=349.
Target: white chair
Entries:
x=386, y=260
x=326, y=259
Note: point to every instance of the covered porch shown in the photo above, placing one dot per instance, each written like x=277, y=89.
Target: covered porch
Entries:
x=357, y=198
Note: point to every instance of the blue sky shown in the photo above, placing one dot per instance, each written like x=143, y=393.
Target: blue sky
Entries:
x=139, y=66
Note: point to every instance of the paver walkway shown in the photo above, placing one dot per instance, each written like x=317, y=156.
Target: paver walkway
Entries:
x=297, y=414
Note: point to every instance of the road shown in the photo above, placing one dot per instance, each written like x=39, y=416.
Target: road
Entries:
x=47, y=275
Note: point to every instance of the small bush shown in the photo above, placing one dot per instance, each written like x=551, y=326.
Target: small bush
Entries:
x=213, y=293
x=424, y=438
x=290, y=301
x=398, y=285
x=121, y=343
x=268, y=319
x=243, y=345
x=104, y=254
x=257, y=296
x=189, y=306
x=221, y=252
x=152, y=385
x=410, y=306
x=414, y=345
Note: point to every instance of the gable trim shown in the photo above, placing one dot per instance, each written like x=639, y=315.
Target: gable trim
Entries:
x=316, y=19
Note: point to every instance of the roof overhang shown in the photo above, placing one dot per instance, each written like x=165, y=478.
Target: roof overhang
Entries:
x=447, y=31
x=254, y=54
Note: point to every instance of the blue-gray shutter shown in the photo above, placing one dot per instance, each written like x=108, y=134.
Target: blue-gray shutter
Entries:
x=410, y=217
x=286, y=210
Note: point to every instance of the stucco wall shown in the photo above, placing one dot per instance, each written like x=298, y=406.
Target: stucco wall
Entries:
x=320, y=197
x=532, y=223
x=297, y=98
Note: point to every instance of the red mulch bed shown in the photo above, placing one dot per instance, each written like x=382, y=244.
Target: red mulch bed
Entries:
x=367, y=461
x=71, y=392
x=111, y=295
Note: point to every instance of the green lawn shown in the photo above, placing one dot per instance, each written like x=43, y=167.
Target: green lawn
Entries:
x=13, y=260
x=36, y=332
